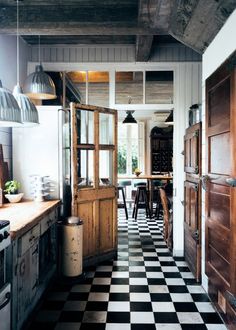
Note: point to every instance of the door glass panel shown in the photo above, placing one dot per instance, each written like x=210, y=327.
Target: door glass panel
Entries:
x=85, y=126
x=85, y=168
x=98, y=88
x=159, y=87
x=105, y=167
x=129, y=87
x=106, y=129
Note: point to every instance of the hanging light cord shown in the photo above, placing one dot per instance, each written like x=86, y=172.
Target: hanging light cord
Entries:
x=39, y=51
x=17, y=43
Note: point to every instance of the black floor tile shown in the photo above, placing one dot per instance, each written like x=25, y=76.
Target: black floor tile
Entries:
x=96, y=306
x=185, y=307
x=119, y=297
x=71, y=316
x=118, y=317
x=140, y=306
x=167, y=317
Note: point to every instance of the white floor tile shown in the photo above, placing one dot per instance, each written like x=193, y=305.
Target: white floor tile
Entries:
x=189, y=318
x=142, y=317
x=134, y=296
x=161, y=306
x=181, y=297
x=118, y=306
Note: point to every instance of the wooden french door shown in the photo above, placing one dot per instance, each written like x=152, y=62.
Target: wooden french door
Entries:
x=192, y=199
x=94, y=178
x=220, y=185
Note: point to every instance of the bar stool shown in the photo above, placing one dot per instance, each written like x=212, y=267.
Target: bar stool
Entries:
x=122, y=204
x=141, y=201
x=125, y=184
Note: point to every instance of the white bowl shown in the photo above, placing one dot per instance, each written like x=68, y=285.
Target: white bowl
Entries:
x=14, y=198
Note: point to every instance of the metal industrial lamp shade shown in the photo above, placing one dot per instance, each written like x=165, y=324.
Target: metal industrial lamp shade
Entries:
x=29, y=113
x=170, y=120
x=10, y=114
x=129, y=119
x=39, y=85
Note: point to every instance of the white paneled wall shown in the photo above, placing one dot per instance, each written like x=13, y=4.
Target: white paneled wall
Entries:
x=187, y=91
x=110, y=53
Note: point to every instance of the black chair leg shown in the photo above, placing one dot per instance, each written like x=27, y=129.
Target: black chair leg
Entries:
x=125, y=207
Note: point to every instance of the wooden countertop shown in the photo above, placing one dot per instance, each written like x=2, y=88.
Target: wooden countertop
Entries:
x=24, y=215
x=146, y=176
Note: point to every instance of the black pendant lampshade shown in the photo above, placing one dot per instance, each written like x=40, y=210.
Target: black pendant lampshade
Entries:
x=129, y=119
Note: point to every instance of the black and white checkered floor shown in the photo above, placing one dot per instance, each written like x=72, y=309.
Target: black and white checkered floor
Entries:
x=145, y=288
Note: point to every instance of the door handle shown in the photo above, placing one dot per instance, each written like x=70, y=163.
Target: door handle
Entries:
x=8, y=298
x=231, y=182
x=205, y=179
x=231, y=298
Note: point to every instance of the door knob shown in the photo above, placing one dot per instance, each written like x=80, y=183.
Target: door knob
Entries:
x=205, y=179
x=231, y=182
x=195, y=235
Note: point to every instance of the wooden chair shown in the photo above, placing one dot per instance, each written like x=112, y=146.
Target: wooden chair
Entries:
x=167, y=215
x=141, y=201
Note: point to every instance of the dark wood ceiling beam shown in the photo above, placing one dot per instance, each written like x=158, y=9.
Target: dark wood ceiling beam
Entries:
x=196, y=22
x=143, y=48
x=58, y=29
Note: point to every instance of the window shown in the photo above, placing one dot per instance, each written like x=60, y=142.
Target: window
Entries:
x=130, y=148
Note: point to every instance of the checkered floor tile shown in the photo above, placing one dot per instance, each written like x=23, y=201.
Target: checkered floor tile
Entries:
x=144, y=288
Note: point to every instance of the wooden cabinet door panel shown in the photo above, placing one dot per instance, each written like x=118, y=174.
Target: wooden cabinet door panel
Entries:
x=220, y=196
x=192, y=153
x=192, y=227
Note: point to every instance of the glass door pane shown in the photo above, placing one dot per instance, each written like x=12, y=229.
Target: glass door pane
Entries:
x=85, y=127
x=105, y=167
x=85, y=168
x=106, y=128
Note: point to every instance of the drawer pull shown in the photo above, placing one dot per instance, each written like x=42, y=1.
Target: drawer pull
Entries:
x=31, y=238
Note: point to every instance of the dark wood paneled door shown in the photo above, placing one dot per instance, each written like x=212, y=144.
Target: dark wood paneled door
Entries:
x=221, y=191
x=192, y=199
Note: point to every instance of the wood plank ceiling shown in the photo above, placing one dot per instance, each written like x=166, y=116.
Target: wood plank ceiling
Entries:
x=141, y=22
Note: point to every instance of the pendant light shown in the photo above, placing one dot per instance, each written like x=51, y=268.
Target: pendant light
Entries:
x=39, y=85
x=29, y=113
x=170, y=119
x=10, y=114
x=129, y=119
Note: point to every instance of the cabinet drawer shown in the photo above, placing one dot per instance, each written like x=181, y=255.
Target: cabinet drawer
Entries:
x=29, y=239
x=48, y=221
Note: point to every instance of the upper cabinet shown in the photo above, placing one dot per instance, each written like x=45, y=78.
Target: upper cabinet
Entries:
x=192, y=149
x=161, y=145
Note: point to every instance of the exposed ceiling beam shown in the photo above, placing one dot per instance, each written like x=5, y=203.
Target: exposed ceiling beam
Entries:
x=196, y=22
x=58, y=29
x=152, y=13
x=143, y=48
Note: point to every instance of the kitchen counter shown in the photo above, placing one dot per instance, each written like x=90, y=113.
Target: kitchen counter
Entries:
x=24, y=215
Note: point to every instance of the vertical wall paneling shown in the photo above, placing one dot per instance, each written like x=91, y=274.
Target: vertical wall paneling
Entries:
x=187, y=84
x=111, y=53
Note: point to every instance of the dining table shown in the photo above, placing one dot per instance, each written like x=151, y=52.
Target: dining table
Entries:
x=149, y=178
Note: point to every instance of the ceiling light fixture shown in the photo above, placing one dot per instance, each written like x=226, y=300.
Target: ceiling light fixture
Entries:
x=29, y=113
x=10, y=114
x=39, y=85
x=170, y=119
x=129, y=119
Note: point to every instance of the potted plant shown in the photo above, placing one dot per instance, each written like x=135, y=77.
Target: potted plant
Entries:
x=137, y=172
x=12, y=191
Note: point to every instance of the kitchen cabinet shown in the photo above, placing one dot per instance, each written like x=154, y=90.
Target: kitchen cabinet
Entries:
x=161, y=145
x=33, y=256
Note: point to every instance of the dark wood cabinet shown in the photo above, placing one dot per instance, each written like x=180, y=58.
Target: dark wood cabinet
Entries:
x=161, y=145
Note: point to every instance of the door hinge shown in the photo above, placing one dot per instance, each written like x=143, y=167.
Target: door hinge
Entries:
x=196, y=133
x=196, y=169
x=205, y=179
